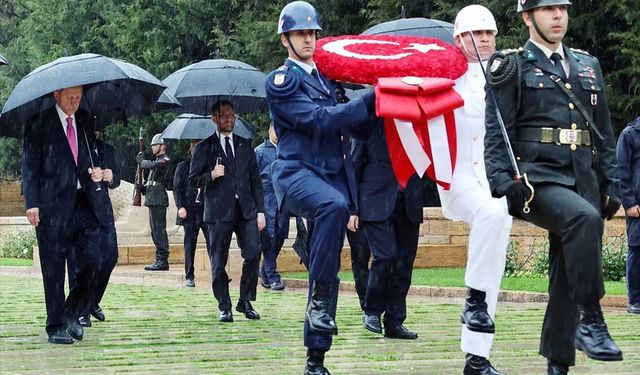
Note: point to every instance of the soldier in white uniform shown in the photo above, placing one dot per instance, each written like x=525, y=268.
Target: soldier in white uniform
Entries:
x=469, y=198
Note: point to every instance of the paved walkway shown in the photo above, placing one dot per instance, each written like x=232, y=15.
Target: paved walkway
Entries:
x=155, y=325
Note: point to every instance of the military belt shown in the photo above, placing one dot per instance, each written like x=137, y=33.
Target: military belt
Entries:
x=559, y=136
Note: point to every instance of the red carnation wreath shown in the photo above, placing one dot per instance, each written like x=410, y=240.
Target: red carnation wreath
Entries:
x=365, y=58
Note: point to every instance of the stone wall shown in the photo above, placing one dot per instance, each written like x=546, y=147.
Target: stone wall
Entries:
x=11, y=202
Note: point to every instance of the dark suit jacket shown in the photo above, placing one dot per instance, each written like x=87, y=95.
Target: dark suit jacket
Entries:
x=185, y=192
x=242, y=177
x=50, y=174
x=377, y=185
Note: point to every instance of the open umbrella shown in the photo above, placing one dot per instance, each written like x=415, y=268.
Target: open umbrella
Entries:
x=167, y=103
x=414, y=27
x=191, y=126
x=114, y=90
x=198, y=86
x=3, y=61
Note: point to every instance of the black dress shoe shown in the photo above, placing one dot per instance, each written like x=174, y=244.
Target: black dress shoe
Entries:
x=85, y=320
x=74, y=329
x=60, y=336
x=315, y=363
x=277, y=285
x=554, y=368
x=158, y=265
x=265, y=284
x=372, y=322
x=98, y=313
x=226, y=316
x=592, y=336
x=245, y=307
x=399, y=332
x=475, y=315
x=634, y=308
x=476, y=365
x=190, y=283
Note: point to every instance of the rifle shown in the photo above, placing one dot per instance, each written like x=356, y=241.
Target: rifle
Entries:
x=139, y=181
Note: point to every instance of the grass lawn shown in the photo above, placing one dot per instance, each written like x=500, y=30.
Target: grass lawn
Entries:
x=454, y=277
x=175, y=330
x=16, y=262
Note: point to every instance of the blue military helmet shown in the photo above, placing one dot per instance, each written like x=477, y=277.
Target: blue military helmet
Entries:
x=524, y=5
x=298, y=15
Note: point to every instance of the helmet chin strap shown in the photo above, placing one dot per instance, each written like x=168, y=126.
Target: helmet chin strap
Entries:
x=535, y=25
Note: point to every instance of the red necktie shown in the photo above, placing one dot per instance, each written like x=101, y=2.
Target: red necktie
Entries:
x=71, y=138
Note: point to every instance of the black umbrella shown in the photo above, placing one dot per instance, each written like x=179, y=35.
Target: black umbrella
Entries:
x=190, y=126
x=167, y=103
x=198, y=86
x=114, y=90
x=3, y=61
x=414, y=27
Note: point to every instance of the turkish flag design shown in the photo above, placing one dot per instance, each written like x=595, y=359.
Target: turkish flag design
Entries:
x=365, y=58
x=420, y=126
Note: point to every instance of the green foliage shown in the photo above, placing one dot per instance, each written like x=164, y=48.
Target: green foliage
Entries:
x=165, y=35
x=614, y=258
x=512, y=264
x=18, y=244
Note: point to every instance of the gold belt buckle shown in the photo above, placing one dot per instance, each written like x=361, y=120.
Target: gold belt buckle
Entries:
x=546, y=135
x=570, y=136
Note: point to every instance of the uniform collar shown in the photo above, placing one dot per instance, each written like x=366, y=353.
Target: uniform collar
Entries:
x=306, y=67
x=547, y=52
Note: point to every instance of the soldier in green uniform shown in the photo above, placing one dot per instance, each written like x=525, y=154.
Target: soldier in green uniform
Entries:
x=155, y=197
x=555, y=112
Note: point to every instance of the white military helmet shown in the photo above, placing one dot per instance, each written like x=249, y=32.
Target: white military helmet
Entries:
x=474, y=18
x=157, y=140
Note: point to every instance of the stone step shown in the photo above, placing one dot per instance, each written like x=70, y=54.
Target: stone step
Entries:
x=428, y=256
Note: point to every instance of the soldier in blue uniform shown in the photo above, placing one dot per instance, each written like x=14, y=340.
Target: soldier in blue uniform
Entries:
x=556, y=117
x=313, y=175
x=277, y=229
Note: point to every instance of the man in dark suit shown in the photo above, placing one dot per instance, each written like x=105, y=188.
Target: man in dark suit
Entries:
x=225, y=165
x=108, y=238
x=546, y=108
x=190, y=211
x=391, y=217
x=63, y=203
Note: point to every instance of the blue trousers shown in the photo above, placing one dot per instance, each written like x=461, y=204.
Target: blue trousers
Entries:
x=325, y=204
x=633, y=274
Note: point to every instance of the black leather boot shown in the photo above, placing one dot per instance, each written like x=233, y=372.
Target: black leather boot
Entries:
x=555, y=368
x=476, y=365
x=315, y=363
x=592, y=336
x=475, y=314
x=158, y=265
x=320, y=309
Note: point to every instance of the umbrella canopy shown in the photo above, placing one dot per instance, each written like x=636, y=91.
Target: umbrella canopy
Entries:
x=167, y=103
x=414, y=27
x=198, y=86
x=191, y=126
x=114, y=90
x=3, y=61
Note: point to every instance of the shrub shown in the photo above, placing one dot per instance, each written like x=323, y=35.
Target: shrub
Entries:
x=18, y=244
x=614, y=257
x=512, y=264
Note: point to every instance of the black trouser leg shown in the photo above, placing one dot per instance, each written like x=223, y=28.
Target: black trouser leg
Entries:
x=191, y=230
x=158, y=222
x=360, y=255
x=219, y=241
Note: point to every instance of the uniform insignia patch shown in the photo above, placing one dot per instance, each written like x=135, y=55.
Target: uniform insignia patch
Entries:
x=538, y=72
x=495, y=65
x=278, y=79
x=594, y=99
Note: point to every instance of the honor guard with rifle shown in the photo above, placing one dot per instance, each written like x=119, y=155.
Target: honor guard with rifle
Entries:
x=548, y=102
x=155, y=197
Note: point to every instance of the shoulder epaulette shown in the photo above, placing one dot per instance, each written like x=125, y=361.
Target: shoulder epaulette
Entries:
x=282, y=81
x=580, y=51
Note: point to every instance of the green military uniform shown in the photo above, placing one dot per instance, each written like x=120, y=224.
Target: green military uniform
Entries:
x=156, y=199
x=571, y=166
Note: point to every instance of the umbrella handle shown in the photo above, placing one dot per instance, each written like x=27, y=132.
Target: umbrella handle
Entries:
x=86, y=141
